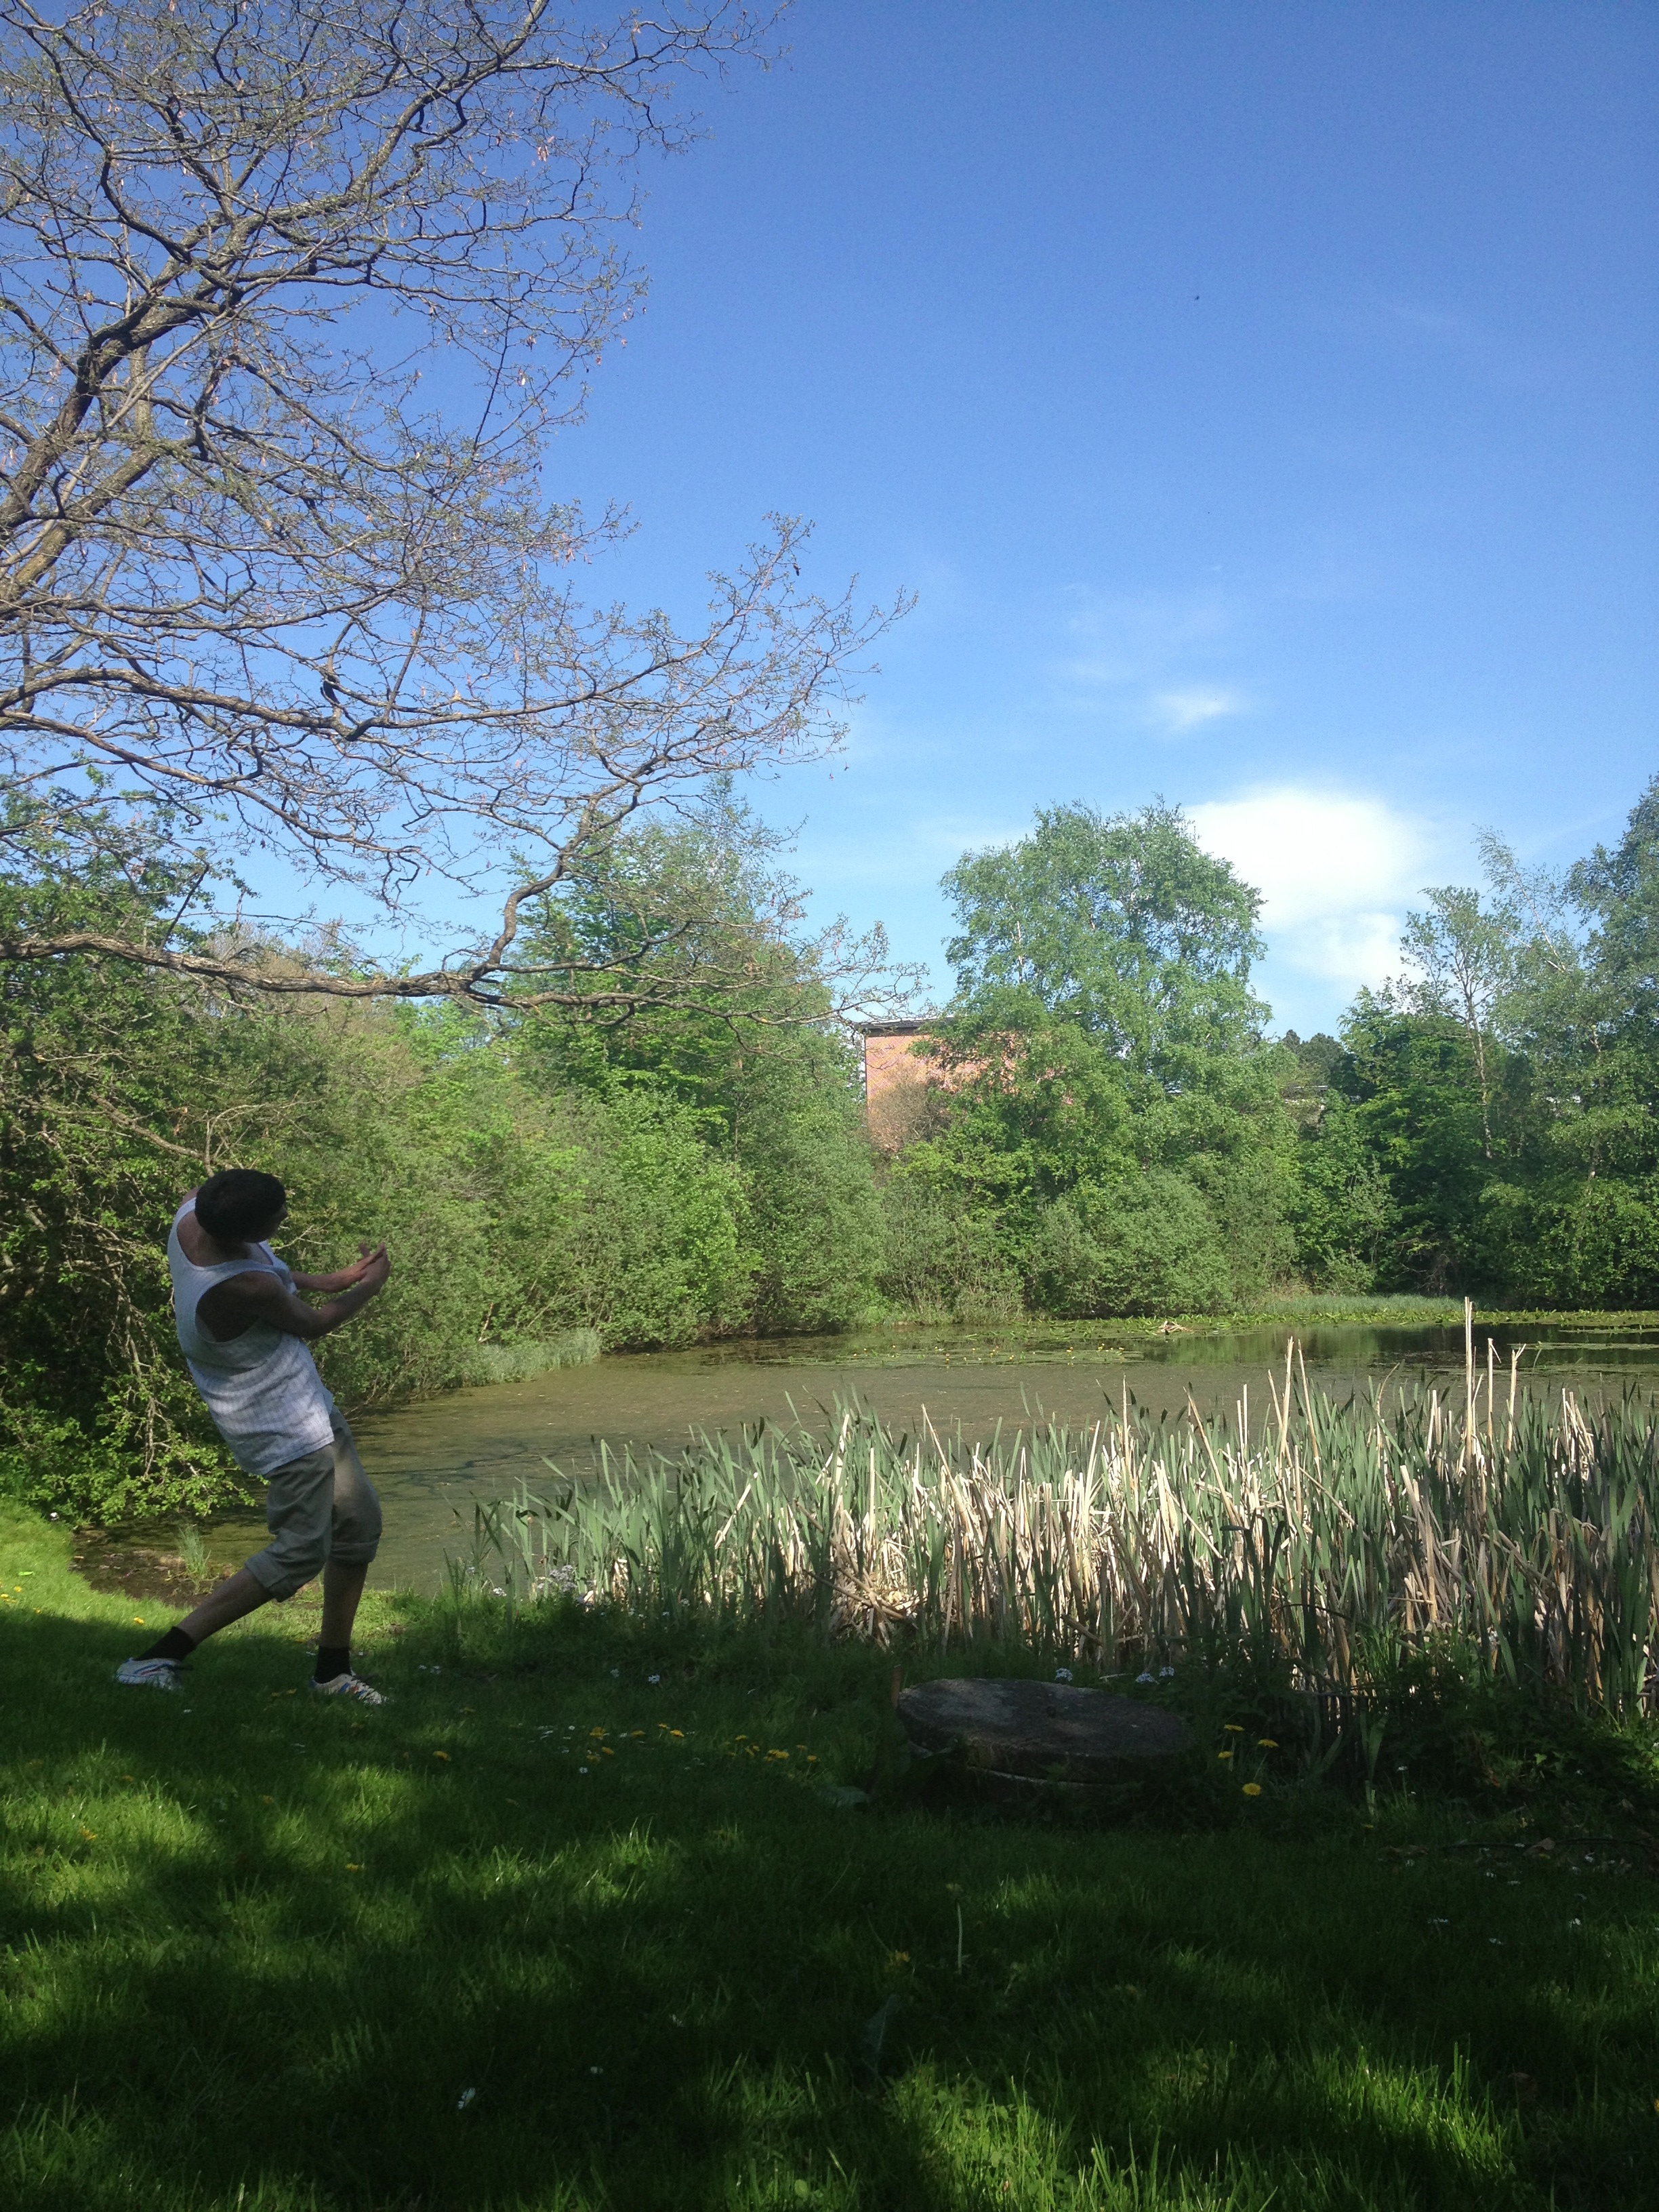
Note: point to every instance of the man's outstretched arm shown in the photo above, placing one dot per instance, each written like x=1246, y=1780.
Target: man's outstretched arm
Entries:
x=236, y=1304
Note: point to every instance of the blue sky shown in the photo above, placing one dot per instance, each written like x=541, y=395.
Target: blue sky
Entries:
x=1259, y=398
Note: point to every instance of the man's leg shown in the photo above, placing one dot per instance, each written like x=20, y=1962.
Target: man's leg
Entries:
x=237, y=1595
x=354, y=1535
x=342, y=1587
x=297, y=1508
x=158, y=1668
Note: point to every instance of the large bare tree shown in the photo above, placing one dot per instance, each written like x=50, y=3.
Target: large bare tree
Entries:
x=292, y=293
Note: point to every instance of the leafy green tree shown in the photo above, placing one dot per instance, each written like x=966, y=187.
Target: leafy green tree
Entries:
x=1342, y=1210
x=100, y=1074
x=1619, y=891
x=1462, y=954
x=1121, y=925
x=749, y=1046
x=799, y=1143
x=944, y=1257
x=1147, y=1245
x=1576, y=1220
x=1411, y=1084
x=1496, y=1117
x=1105, y=1054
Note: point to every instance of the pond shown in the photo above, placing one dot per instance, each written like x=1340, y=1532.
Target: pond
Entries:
x=432, y=1462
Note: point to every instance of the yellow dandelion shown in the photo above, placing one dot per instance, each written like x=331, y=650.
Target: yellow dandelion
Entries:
x=1265, y=1743
x=605, y=1752
x=1224, y=1754
x=1252, y=1788
x=137, y=1620
x=679, y=1734
x=90, y=1835
x=352, y=1866
x=444, y=1755
x=1231, y=1728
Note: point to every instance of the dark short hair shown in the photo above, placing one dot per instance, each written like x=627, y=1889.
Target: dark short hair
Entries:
x=238, y=1203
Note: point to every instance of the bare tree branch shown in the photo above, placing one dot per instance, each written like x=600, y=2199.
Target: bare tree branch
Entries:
x=292, y=293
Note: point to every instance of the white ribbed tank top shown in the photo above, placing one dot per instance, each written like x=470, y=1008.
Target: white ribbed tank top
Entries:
x=267, y=1399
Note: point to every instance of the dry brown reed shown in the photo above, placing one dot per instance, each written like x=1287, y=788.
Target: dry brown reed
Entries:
x=1303, y=1539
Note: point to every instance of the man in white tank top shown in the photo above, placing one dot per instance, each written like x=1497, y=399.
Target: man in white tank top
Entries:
x=243, y=1329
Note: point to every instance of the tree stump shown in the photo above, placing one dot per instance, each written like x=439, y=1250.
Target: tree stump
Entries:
x=1042, y=1732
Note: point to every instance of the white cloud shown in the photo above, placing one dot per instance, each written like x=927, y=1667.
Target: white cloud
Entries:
x=1337, y=872
x=1184, y=710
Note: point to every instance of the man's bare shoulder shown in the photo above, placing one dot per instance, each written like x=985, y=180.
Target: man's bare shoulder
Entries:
x=192, y=1238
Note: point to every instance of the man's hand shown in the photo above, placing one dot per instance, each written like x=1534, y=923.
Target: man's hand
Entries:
x=371, y=1261
x=371, y=1257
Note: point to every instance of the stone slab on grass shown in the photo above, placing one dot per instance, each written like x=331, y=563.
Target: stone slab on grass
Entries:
x=1040, y=1731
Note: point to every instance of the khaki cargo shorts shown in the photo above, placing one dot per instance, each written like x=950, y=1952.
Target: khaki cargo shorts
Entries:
x=320, y=1508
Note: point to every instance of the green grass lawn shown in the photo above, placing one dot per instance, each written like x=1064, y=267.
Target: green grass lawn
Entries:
x=265, y=1951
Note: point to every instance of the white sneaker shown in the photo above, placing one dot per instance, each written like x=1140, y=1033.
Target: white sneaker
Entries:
x=351, y=1686
x=150, y=1673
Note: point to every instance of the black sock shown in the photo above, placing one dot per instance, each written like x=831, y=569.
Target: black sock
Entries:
x=332, y=1660
x=175, y=1645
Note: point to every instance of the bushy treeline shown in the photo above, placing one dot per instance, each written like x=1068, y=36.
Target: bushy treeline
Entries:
x=650, y=1181
x=1099, y=1124
x=1106, y=1126
x=1488, y=1122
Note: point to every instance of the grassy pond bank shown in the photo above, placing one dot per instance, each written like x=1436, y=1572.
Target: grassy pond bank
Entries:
x=622, y=1912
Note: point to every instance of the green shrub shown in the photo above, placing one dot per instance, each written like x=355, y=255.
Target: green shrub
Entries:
x=941, y=1258
x=1146, y=1246
x=520, y=1363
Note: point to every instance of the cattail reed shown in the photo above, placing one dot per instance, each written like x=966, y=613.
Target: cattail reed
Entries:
x=1300, y=1541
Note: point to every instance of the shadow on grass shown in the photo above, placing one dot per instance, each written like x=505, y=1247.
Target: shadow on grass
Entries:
x=259, y=1943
